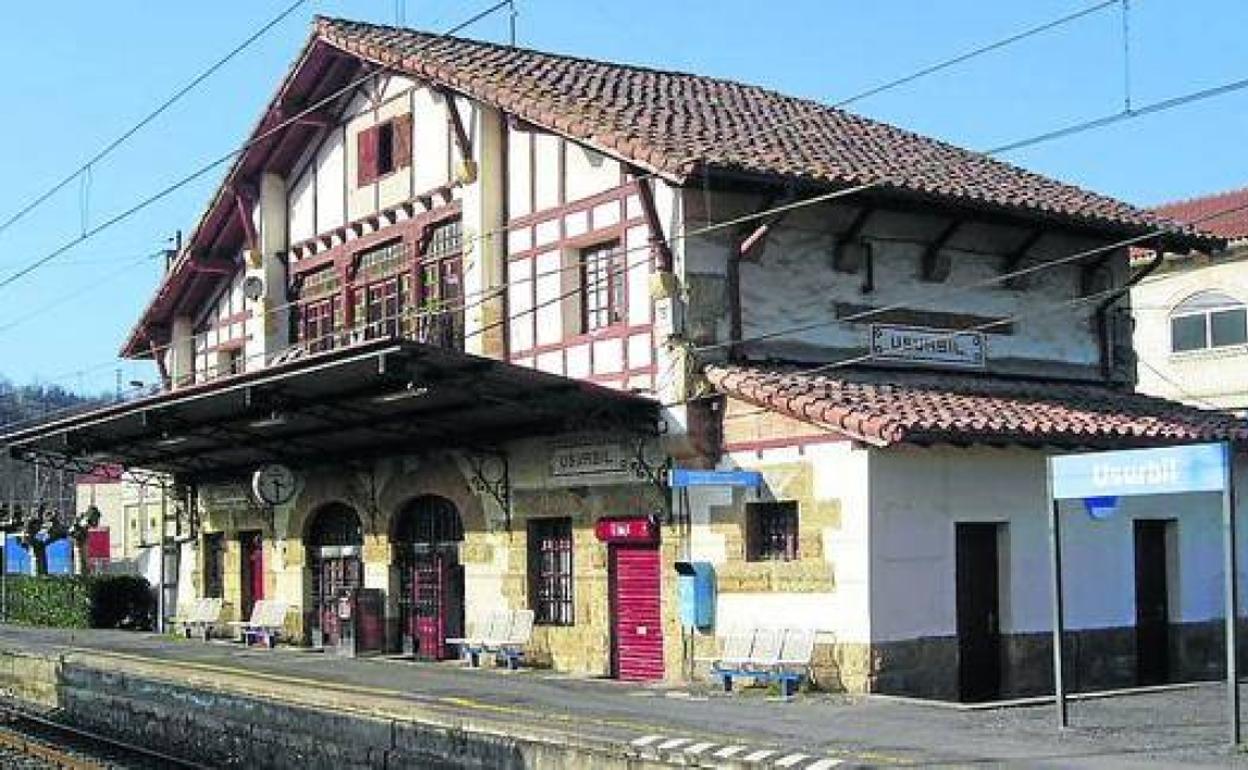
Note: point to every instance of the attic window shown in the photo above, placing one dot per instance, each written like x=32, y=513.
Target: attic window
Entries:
x=384, y=149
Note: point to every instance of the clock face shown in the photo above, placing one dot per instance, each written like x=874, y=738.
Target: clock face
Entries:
x=273, y=484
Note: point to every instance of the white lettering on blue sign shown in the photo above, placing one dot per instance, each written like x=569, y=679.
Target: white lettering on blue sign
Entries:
x=684, y=477
x=1167, y=470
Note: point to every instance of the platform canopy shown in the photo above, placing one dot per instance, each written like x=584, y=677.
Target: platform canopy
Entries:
x=365, y=401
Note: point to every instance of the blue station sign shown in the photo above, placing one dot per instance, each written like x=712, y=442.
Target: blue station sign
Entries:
x=685, y=477
x=1124, y=473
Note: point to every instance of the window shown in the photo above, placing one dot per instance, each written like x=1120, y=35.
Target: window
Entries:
x=214, y=565
x=383, y=149
x=1209, y=319
x=771, y=531
x=602, y=286
x=550, y=571
x=318, y=325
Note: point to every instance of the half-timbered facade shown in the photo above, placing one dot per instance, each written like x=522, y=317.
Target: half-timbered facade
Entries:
x=476, y=299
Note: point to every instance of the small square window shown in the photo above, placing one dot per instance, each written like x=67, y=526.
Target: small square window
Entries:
x=771, y=531
x=1188, y=333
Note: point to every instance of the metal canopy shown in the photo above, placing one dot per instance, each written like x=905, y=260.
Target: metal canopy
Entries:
x=358, y=402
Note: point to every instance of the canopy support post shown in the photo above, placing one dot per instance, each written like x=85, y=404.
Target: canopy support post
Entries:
x=1231, y=591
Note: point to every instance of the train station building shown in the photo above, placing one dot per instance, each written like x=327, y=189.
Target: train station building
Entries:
x=459, y=308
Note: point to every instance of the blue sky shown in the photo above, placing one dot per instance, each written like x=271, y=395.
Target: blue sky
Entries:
x=78, y=75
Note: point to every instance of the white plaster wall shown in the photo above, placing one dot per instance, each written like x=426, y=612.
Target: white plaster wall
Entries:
x=840, y=472
x=1203, y=378
x=588, y=172
x=804, y=244
x=917, y=496
x=331, y=165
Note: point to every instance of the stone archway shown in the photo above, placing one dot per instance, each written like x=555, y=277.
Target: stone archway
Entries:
x=334, y=538
x=426, y=535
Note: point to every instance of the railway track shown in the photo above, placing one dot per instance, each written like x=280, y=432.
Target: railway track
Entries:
x=32, y=742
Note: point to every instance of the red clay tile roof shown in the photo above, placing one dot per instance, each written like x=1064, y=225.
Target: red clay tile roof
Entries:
x=892, y=407
x=1231, y=226
x=679, y=124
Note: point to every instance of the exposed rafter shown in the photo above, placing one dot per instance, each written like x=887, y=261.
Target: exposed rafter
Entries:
x=658, y=241
x=1015, y=259
x=936, y=263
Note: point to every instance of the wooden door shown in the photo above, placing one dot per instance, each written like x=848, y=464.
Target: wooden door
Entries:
x=251, y=579
x=978, y=612
x=1152, y=603
x=437, y=603
x=334, y=575
x=636, y=613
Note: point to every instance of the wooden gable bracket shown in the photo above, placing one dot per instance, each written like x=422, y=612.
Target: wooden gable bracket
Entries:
x=751, y=242
x=936, y=264
x=166, y=379
x=467, y=171
x=848, y=255
x=244, y=200
x=1015, y=259
x=659, y=246
x=205, y=262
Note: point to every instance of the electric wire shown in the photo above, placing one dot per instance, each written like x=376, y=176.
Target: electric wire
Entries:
x=203, y=170
x=84, y=170
x=1168, y=104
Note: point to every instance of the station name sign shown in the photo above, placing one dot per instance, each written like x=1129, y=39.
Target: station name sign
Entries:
x=589, y=460
x=930, y=346
x=1166, y=470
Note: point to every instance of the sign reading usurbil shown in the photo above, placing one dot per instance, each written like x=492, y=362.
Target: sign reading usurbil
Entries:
x=932, y=346
x=588, y=460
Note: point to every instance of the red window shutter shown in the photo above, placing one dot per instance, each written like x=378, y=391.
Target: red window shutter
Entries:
x=366, y=159
x=403, y=141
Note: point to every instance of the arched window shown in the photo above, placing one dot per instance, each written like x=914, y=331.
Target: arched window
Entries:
x=335, y=525
x=1209, y=319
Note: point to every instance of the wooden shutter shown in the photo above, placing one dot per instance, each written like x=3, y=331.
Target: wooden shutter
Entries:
x=403, y=141
x=366, y=158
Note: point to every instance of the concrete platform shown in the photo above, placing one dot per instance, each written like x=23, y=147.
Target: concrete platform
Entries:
x=656, y=724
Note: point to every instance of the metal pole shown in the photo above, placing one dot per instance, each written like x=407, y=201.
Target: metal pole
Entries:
x=160, y=550
x=1232, y=591
x=1055, y=565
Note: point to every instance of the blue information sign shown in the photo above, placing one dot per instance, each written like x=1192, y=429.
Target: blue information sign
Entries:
x=684, y=477
x=1166, y=470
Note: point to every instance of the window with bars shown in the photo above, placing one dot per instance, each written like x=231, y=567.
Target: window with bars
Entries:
x=602, y=286
x=771, y=531
x=214, y=565
x=550, y=571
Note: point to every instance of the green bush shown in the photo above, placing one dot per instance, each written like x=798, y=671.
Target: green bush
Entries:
x=81, y=601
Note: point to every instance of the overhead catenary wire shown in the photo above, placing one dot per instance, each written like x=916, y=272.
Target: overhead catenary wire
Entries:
x=84, y=170
x=1169, y=104
x=206, y=168
x=931, y=69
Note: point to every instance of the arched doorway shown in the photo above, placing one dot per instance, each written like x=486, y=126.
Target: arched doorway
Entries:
x=427, y=534
x=334, y=540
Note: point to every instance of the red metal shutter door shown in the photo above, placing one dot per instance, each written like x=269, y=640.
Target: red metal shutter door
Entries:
x=638, y=624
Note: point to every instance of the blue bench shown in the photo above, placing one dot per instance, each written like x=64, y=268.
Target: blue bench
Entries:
x=767, y=655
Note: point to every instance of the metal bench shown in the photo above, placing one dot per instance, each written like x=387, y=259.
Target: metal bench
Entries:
x=204, y=614
x=767, y=655
x=503, y=634
x=509, y=647
x=268, y=618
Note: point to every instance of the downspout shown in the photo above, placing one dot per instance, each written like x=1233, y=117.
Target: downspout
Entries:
x=1102, y=312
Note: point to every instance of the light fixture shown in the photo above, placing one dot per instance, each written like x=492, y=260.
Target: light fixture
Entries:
x=411, y=390
x=169, y=441
x=275, y=420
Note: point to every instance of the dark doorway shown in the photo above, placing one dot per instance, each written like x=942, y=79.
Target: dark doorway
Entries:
x=334, y=539
x=979, y=612
x=1152, y=602
x=431, y=579
x=251, y=579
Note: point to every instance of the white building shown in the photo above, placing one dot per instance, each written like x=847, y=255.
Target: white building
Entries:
x=458, y=302
x=1191, y=316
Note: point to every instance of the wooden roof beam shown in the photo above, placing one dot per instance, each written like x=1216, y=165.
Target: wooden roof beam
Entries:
x=1016, y=258
x=936, y=263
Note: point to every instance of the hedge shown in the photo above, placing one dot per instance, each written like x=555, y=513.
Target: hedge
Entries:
x=81, y=601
